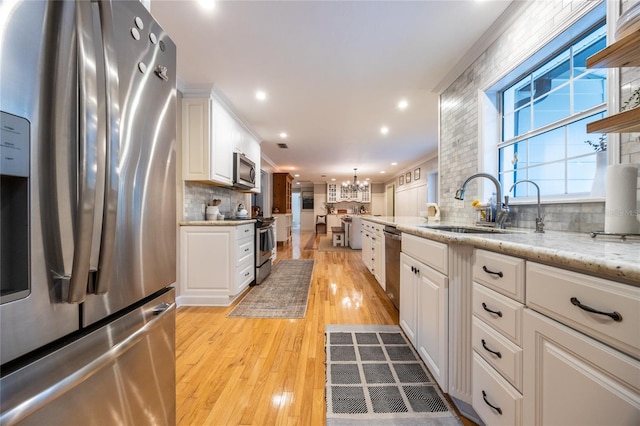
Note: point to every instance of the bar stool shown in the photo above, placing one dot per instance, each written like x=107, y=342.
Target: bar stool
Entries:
x=338, y=236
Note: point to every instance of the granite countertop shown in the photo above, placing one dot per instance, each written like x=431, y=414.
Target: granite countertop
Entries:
x=226, y=222
x=602, y=256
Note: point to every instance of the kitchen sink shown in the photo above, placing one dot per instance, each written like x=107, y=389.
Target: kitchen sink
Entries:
x=466, y=229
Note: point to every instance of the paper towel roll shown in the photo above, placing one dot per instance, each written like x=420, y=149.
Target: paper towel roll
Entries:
x=620, y=214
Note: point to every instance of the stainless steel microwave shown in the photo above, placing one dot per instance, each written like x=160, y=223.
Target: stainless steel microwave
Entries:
x=244, y=172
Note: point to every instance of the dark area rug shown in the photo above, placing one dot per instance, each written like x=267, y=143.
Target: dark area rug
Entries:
x=375, y=377
x=283, y=294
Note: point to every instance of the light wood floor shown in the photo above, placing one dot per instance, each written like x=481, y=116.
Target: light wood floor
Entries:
x=236, y=371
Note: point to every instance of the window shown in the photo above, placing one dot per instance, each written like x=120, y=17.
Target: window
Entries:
x=544, y=116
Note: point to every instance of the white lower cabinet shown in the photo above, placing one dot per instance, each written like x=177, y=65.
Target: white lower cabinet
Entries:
x=496, y=336
x=217, y=263
x=494, y=399
x=408, y=298
x=284, y=228
x=572, y=379
x=373, y=254
x=424, y=310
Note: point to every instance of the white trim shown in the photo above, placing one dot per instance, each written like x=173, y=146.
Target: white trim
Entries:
x=551, y=200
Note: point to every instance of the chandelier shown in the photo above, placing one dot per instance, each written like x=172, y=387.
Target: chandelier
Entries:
x=356, y=185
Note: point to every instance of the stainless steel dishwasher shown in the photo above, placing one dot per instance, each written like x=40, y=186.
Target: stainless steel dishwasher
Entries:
x=392, y=245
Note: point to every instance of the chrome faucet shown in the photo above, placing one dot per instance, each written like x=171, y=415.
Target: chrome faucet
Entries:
x=540, y=218
x=501, y=213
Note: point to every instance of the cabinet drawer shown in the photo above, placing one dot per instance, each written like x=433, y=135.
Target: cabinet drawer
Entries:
x=429, y=252
x=556, y=293
x=490, y=388
x=504, y=274
x=244, y=275
x=246, y=230
x=245, y=250
x=500, y=312
x=498, y=351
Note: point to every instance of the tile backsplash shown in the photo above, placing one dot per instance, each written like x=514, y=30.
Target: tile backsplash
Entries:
x=196, y=194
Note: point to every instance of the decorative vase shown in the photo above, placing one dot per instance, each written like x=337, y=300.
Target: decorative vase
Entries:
x=599, y=185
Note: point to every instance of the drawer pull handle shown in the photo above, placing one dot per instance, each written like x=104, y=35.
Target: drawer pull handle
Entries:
x=496, y=353
x=498, y=409
x=489, y=271
x=613, y=315
x=498, y=313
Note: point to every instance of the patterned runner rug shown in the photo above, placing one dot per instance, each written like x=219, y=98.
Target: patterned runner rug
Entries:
x=283, y=294
x=375, y=377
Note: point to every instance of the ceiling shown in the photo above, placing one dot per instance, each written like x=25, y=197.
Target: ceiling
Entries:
x=333, y=73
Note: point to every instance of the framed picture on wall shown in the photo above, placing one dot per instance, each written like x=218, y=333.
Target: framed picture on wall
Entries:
x=416, y=174
x=307, y=200
x=407, y=178
x=401, y=180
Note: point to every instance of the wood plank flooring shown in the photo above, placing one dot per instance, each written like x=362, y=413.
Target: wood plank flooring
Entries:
x=239, y=371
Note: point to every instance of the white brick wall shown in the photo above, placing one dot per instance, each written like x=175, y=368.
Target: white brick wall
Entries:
x=459, y=116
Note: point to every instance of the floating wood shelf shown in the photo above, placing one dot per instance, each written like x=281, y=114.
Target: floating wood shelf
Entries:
x=622, y=53
x=624, y=122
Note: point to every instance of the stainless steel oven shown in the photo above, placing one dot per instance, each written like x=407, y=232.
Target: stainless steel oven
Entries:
x=265, y=242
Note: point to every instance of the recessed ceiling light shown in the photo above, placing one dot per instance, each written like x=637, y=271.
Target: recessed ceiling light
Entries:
x=333, y=179
x=207, y=4
x=368, y=179
x=297, y=183
x=296, y=175
x=403, y=104
x=283, y=135
x=394, y=164
x=292, y=168
x=384, y=130
x=261, y=95
x=382, y=172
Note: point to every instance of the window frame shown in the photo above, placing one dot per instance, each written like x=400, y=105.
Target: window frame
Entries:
x=601, y=108
x=489, y=112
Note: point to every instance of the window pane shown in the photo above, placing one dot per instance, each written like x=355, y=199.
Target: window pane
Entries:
x=586, y=47
x=553, y=107
x=546, y=147
x=522, y=120
x=516, y=124
x=549, y=177
x=507, y=179
x=508, y=127
x=551, y=75
x=577, y=136
x=523, y=189
x=516, y=96
x=589, y=91
x=580, y=174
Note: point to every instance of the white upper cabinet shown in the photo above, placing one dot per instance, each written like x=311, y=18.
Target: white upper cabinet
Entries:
x=210, y=136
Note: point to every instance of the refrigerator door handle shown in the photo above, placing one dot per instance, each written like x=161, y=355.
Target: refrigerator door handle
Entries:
x=75, y=283
x=112, y=176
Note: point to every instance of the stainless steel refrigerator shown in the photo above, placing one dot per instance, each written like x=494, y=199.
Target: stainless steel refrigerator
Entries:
x=88, y=224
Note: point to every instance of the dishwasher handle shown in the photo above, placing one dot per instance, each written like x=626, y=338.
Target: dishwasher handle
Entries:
x=392, y=236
